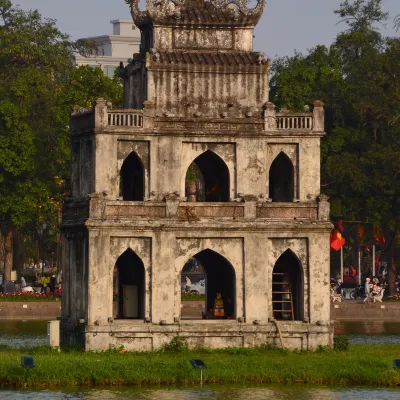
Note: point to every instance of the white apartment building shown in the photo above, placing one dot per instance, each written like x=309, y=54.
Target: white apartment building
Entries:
x=112, y=49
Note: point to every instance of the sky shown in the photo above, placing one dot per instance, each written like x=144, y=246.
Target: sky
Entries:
x=285, y=26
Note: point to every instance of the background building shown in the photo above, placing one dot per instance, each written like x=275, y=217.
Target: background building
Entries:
x=112, y=49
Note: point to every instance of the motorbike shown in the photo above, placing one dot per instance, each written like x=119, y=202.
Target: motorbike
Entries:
x=358, y=292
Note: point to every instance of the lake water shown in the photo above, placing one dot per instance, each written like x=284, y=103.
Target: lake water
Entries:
x=211, y=393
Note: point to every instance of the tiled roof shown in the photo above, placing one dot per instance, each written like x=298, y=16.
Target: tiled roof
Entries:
x=208, y=58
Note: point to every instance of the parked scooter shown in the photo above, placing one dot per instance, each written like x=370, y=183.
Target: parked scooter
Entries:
x=358, y=292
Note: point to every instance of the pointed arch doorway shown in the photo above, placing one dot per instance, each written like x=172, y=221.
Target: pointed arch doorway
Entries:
x=132, y=178
x=207, y=179
x=129, y=286
x=288, y=288
x=219, y=286
x=281, y=179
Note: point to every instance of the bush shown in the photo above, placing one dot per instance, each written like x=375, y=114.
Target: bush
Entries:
x=341, y=343
x=177, y=344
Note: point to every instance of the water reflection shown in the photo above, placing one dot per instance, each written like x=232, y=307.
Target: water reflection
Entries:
x=213, y=393
x=367, y=327
x=19, y=334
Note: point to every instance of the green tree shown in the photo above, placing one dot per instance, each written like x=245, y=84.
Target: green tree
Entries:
x=39, y=85
x=361, y=153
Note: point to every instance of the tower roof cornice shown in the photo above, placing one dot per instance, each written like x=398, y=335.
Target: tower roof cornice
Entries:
x=197, y=12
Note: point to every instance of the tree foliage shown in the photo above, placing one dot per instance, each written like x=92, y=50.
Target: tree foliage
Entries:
x=358, y=79
x=39, y=85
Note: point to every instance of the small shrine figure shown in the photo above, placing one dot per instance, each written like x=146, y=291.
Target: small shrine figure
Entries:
x=219, y=306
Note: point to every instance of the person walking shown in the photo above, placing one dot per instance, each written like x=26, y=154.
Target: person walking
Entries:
x=367, y=290
x=188, y=284
x=53, y=282
x=44, y=280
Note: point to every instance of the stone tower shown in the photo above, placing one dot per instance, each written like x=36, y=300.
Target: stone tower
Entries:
x=197, y=167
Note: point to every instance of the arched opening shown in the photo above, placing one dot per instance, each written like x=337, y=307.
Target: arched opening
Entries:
x=216, y=281
x=129, y=286
x=287, y=288
x=207, y=179
x=281, y=179
x=132, y=179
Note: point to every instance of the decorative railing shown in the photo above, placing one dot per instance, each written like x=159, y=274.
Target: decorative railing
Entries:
x=125, y=118
x=295, y=121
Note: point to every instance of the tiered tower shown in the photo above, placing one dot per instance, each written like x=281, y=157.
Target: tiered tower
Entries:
x=197, y=165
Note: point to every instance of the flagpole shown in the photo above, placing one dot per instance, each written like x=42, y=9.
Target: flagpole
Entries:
x=359, y=266
x=373, y=260
x=341, y=263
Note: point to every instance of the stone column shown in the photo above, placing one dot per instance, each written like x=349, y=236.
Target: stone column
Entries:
x=100, y=114
x=318, y=117
x=269, y=117
x=148, y=114
x=323, y=207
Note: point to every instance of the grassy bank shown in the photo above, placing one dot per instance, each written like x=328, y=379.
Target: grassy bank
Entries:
x=360, y=365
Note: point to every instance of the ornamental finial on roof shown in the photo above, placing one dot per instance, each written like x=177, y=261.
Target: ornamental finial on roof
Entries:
x=179, y=11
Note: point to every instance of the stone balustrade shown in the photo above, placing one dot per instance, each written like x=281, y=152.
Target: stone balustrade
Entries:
x=115, y=209
x=125, y=118
x=294, y=121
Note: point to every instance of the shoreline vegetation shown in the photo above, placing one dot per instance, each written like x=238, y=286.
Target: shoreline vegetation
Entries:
x=360, y=365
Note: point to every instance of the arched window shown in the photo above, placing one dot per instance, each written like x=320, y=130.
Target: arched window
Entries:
x=281, y=179
x=215, y=283
x=132, y=179
x=287, y=288
x=207, y=179
x=129, y=286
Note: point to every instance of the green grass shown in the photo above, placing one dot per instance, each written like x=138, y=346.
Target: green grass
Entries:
x=360, y=365
x=193, y=297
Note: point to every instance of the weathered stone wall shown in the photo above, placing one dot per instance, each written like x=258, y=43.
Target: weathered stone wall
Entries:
x=201, y=91
x=167, y=157
x=164, y=253
x=229, y=38
x=140, y=336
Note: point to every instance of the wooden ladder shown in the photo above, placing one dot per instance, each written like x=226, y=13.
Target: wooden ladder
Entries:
x=282, y=296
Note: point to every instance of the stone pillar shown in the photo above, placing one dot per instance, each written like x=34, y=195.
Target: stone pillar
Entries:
x=173, y=202
x=269, y=117
x=148, y=114
x=250, y=206
x=100, y=278
x=318, y=117
x=323, y=207
x=100, y=114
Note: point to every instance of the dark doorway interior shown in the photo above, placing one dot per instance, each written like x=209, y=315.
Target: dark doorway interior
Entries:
x=281, y=179
x=207, y=179
x=220, y=277
x=130, y=277
x=132, y=179
x=287, y=288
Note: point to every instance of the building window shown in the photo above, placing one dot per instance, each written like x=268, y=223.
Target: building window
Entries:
x=287, y=288
x=207, y=179
x=109, y=71
x=281, y=179
x=132, y=179
x=129, y=286
x=212, y=277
